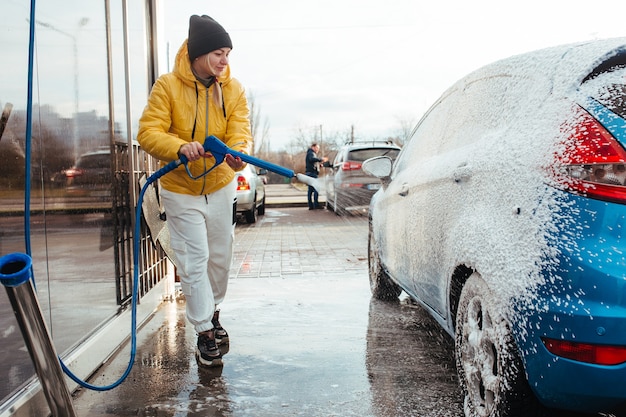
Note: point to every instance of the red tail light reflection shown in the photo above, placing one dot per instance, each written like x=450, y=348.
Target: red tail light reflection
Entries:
x=350, y=166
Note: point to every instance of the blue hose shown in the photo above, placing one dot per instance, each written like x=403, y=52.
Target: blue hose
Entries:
x=133, y=325
x=219, y=151
x=29, y=122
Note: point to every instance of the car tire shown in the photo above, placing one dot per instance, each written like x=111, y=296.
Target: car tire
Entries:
x=250, y=215
x=339, y=211
x=381, y=285
x=261, y=209
x=490, y=370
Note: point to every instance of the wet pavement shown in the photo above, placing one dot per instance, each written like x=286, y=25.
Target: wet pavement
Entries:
x=306, y=338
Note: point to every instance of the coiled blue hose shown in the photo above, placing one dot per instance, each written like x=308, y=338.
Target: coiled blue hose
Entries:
x=133, y=344
x=133, y=325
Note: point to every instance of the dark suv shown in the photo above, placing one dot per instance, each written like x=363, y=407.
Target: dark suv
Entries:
x=91, y=175
x=348, y=188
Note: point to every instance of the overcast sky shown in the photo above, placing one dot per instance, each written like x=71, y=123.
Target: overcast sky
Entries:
x=372, y=64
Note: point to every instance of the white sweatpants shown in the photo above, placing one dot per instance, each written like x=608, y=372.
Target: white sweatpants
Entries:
x=202, y=233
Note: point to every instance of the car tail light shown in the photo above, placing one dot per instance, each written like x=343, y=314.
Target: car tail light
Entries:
x=242, y=183
x=350, y=166
x=586, y=352
x=351, y=185
x=594, y=161
x=74, y=172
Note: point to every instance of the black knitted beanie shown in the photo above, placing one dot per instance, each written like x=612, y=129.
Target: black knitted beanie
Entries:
x=205, y=35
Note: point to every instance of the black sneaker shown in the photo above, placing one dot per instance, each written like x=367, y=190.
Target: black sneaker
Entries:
x=207, y=351
x=220, y=334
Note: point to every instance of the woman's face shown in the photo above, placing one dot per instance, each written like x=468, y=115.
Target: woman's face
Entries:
x=213, y=64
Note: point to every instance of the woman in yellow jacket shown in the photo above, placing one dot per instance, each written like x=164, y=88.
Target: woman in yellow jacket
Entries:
x=197, y=99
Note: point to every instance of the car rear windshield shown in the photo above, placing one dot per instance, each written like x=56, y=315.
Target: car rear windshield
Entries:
x=364, y=154
x=613, y=96
x=609, y=88
x=97, y=161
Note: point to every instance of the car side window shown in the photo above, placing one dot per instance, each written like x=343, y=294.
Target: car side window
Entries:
x=445, y=126
x=427, y=135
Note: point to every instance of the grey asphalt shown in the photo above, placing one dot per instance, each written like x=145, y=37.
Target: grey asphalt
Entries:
x=306, y=338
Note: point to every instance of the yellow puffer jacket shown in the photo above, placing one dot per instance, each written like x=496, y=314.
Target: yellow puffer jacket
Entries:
x=177, y=103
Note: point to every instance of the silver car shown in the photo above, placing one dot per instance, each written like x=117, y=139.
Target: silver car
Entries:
x=250, y=193
x=348, y=188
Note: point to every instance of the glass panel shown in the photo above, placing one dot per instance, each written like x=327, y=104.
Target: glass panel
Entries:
x=70, y=230
x=74, y=244
x=138, y=73
x=74, y=171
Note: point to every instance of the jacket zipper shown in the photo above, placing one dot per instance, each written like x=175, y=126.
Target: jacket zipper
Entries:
x=206, y=127
x=206, y=132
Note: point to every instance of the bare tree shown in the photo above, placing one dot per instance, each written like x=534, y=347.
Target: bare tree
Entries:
x=406, y=125
x=261, y=139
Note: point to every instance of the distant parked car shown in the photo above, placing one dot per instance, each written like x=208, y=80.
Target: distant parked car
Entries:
x=91, y=175
x=504, y=216
x=250, y=193
x=348, y=188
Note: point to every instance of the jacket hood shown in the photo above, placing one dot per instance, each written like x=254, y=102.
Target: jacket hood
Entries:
x=182, y=67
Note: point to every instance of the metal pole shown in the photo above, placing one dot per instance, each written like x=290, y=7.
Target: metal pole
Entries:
x=15, y=275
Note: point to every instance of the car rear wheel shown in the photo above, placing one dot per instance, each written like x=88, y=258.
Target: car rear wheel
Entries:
x=261, y=209
x=339, y=210
x=251, y=214
x=490, y=370
x=381, y=285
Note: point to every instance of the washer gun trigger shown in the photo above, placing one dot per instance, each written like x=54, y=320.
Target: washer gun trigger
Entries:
x=211, y=144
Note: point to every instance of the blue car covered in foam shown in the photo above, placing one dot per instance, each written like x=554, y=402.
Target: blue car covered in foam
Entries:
x=504, y=217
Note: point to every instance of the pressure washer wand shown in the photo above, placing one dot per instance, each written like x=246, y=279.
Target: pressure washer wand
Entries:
x=219, y=150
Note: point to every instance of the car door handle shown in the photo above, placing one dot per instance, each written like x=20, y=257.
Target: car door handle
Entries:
x=404, y=190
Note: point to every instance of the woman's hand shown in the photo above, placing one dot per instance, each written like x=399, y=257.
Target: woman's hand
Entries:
x=235, y=163
x=193, y=151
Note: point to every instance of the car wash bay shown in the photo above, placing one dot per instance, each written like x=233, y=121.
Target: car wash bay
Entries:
x=306, y=339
